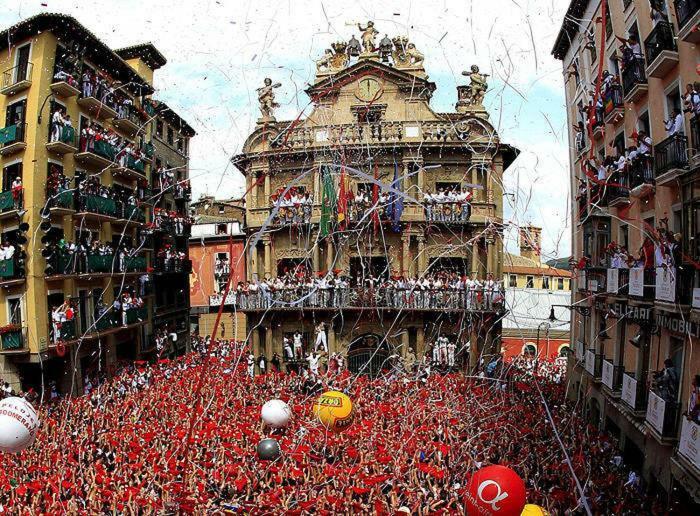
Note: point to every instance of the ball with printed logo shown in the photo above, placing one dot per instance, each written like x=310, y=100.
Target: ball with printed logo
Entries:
x=18, y=425
x=276, y=414
x=334, y=410
x=534, y=510
x=495, y=490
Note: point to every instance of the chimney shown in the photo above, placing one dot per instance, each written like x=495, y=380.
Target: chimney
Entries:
x=531, y=242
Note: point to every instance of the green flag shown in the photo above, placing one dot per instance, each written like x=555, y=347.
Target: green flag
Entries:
x=329, y=201
x=8, y=134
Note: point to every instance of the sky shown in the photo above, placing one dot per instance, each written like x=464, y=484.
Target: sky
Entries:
x=219, y=51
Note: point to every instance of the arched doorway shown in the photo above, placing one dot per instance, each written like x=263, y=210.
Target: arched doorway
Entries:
x=368, y=354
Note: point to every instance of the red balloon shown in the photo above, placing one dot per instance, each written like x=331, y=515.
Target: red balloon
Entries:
x=495, y=490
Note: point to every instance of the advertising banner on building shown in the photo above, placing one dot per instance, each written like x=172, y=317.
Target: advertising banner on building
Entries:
x=613, y=281
x=656, y=409
x=666, y=284
x=608, y=374
x=629, y=390
x=590, y=362
x=689, y=445
x=636, y=283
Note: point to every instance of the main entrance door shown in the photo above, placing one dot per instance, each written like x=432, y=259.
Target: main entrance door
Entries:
x=368, y=354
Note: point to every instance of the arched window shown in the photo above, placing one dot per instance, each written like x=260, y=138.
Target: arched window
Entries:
x=530, y=349
x=564, y=350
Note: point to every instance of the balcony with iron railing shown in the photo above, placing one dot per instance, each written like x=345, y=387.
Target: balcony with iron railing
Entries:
x=634, y=394
x=675, y=285
x=13, y=139
x=171, y=266
x=694, y=141
x=61, y=201
x=96, y=108
x=12, y=339
x=614, y=104
x=670, y=158
x=10, y=203
x=131, y=167
x=353, y=298
x=618, y=189
x=688, y=17
x=617, y=282
x=12, y=271
x=662, y=415
x=661, y=50
x=63, y=141
x=634, y=80
x=17, y=79
x=99, y=153
x=642, y=179
x=127, y=120
x=642, y=284
x=611, y=376
x=98, y=207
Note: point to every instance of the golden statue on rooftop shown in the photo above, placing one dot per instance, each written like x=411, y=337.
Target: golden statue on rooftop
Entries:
x=368, y=35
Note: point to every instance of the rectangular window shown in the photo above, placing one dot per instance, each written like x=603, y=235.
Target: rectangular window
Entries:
x=22, y=70
x=513, y=281
x=530, y=282
x=545, y=283
x=159, y=128
x=560, y=283
x=14, y=311
x=9, y=174
x=222, y=270
x=221, y=229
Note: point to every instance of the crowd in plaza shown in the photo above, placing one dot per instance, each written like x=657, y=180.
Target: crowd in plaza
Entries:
x=442, y=289
x=412, y=447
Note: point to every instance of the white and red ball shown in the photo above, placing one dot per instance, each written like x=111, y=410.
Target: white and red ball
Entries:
x=276, y=414
x=18, y=425
x=495, y=491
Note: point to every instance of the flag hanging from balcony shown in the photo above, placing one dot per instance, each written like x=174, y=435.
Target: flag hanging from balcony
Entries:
x=329, y=201
x=342, y=201
x=375, y=199
x=8, y=134
x=395, y=208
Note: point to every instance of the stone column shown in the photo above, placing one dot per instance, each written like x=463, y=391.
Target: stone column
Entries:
x=405, y=254
x=473, y=348
x=254, y=191
x=316, y=257
x=253, y=269
x=475, y=257
x=420, y=342
x=491, y=257
x=267, y=187
x=268, y=343
x=421, y=255
x=329, y=255
x=404, y=342
x=268, y=257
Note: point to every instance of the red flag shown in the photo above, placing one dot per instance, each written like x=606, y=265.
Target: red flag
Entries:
x=375, y=200
x=342, y=201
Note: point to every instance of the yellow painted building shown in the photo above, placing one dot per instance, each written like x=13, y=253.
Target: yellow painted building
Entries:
x=44, y=61
x=628, y=322
x=526, y=270
x=371, y=113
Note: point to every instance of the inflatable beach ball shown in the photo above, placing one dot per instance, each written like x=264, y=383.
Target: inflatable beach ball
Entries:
x=18, y=425
x=334, y=410
x=276, y=414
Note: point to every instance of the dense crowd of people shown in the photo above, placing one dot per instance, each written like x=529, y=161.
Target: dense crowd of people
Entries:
x=73, y=257
x=433, y=290
x=170, y=220
x=108, y=144
x=412, y=447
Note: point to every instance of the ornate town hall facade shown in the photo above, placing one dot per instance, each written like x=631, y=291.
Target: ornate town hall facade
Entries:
x=339, y=195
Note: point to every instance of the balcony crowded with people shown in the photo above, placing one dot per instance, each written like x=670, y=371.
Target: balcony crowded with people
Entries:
x=92, y=257
x=440, y=290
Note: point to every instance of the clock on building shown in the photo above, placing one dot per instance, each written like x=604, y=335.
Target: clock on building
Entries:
x=368, y=89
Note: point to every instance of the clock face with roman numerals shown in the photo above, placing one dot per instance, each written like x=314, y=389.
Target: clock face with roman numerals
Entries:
x=368, y=89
